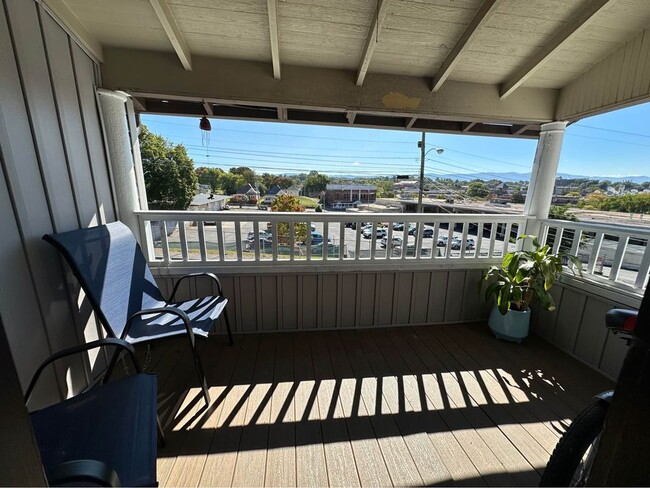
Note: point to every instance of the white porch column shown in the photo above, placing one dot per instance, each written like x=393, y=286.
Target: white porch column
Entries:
x=542, y=178
x=119, y=143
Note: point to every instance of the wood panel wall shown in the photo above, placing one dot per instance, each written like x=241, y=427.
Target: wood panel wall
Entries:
x=344, y=300
x=622, y=78
x=54, y=177
x=577, y=326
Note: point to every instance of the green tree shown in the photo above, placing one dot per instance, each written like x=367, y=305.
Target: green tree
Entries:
x=230, y=183
x=560, y=212
x=518, y=197
x=288, y=203
x=477, y=189
x=385, y=189
x=210, y=176
x=315, y=183
x=169, y=176
x=246, y=173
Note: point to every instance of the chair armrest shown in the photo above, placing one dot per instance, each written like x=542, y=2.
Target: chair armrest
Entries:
x=119, y=343
x=83, y=472
x=161, y=311
x=194, y=275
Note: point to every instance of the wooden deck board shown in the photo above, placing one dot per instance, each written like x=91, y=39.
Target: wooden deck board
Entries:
x=397, y=406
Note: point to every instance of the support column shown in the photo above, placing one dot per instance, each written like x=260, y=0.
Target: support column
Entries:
x=118, y=140
x=542, y=178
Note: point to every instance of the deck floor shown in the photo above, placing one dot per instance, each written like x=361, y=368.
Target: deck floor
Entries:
x=398, y=406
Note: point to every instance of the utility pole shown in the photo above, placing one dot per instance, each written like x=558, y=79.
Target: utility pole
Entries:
x=421, y=145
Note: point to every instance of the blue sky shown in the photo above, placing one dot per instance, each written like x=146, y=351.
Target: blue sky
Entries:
x=612, y=144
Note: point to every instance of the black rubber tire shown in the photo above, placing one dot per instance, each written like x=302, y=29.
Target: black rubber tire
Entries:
x=574, y=443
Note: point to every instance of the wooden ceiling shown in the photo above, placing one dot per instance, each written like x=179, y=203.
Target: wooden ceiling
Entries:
x=509, y=44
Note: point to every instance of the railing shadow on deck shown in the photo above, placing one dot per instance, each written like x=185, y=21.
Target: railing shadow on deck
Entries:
x=453, y=381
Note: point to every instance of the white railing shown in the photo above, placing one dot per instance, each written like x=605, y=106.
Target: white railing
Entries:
x=613, y=255
x=231, y=238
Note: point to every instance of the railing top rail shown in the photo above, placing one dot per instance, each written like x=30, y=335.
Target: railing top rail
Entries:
x=186, y=215
x=613, y=229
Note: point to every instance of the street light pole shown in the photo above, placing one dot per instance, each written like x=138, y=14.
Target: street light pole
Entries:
x=421, y=144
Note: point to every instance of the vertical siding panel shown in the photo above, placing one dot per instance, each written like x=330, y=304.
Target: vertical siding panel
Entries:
x=473, y=302
x=269, y=292
x=385, y=301
x=289, y=293
x=309, y=319
x=228, y=285
x=367, y=302
x=247, y=296
x=613, y=355
x=631, y=71
x=348, y=299
x=67, y=106
x=404, y=285
x=437, y=297
x=592, y=333
x=86, y=87
x=454, y=302
x=328, y=301
x=420, y=300
x=568, y=319
x=644, y=51
x=545, y=323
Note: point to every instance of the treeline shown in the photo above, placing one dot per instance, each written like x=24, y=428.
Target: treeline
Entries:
x=228, y=182
x=639, y=203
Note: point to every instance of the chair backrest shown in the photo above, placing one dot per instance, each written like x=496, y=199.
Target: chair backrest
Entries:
x=113, y=272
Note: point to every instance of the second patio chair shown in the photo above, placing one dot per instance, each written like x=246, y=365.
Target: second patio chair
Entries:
x=114, y=274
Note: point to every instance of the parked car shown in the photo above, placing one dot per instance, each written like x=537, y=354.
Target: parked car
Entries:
x=262, y=234
x=395, y=242
x=380, y=232
x=316, y=238
x=353, y=225
x=264, y=244
x=442, y=241
x=456, y=244
x=332, y=250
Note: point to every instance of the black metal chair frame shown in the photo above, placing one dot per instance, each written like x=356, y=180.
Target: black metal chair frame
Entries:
x=168, y=309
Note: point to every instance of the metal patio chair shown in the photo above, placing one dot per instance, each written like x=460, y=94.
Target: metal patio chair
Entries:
x=114, y=274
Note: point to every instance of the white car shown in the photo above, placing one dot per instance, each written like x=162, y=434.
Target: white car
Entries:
x=380, y=232
x=396, y=241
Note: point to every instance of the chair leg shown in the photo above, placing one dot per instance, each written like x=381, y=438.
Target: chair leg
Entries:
x=227, y=320
x=200, y=373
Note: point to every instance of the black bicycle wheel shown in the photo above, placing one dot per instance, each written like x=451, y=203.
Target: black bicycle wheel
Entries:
x=572, y=447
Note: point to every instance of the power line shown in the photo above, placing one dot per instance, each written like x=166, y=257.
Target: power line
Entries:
x=609, y=140
x=612, y=130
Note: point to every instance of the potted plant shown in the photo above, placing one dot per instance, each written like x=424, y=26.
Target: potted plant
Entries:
x=523, y=276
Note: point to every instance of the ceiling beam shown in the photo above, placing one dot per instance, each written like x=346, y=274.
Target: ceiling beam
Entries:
x=410, y=123
x=273, y=31
x=173, y=32
x=138, y=104
x=282, y=114
x=350, y=116
x=468, y=126
x=60, y=10
x=207, y=106
x=481, y=16
x=570, y=29
x=371, y=41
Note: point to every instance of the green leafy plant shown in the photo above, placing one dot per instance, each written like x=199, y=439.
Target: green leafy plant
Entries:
x=525, y=275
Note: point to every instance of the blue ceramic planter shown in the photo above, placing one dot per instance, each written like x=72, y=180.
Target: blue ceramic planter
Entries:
x=513, y=326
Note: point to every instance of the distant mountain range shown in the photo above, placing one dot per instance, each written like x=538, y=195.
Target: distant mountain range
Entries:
x=513, y=176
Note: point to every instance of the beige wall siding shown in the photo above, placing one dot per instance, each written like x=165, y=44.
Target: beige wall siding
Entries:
x=344, y=300
x=54, y=178
x=620, y=79
x=577, y=326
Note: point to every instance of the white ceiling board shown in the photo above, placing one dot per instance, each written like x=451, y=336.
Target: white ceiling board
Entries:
x=254, y=6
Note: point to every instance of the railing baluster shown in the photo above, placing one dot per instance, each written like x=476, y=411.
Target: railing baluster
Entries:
x=479, y=240
x=357, y=243
x=463, y=241
x=593, y=256
x=644, y=267
x=543, y=237
x=389, y=240
x=222, y=249
x=559, y=231
x=373, y=241
x=419, y=232
x=405, y=239
x=256, y=240
x=341, y=240
x=308, y=241
x=450, y=238
x=577, y=234
x=274, y=240
x=292, y=241
x=238, y=240
x=434, y=242
x=202, y=250
x=494, y=227
x=326, y=244
x=163, y=240
x=183, y=238
x=618, y=257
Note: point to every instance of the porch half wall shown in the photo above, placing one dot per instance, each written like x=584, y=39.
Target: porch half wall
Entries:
x=55, y=177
